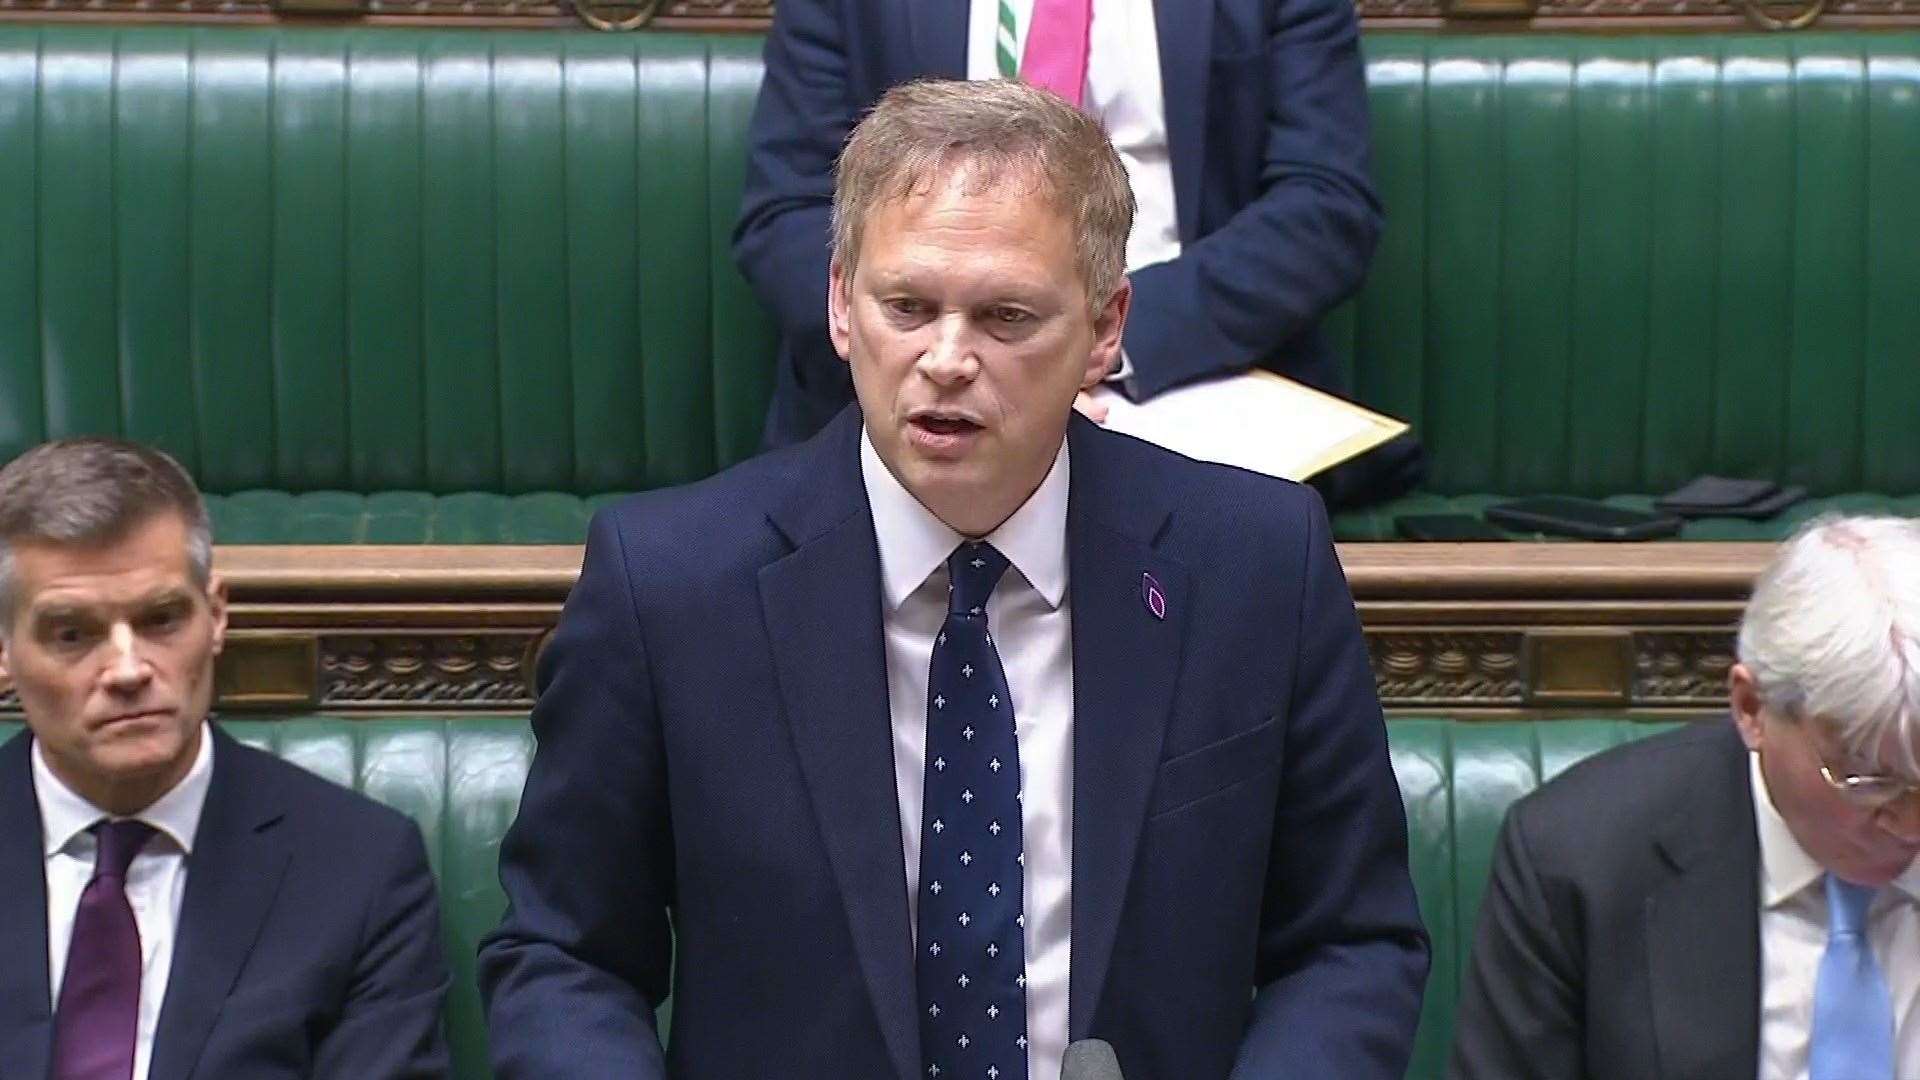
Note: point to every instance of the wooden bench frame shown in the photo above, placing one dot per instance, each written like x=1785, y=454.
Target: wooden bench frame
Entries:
x=1471, y=629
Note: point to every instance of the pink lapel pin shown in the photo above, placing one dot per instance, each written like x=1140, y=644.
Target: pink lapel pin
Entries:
x=1155, y=598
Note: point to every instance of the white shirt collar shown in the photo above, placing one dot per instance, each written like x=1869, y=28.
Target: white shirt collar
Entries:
x=65, y=814
x=914, y=543
x=1785, y=866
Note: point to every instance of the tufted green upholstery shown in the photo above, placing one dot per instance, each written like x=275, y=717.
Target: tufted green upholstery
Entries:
x=364, y=261
x=448, y=285
x=461, y=780
x=1615, y=262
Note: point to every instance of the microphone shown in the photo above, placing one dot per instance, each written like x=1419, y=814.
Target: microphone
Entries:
x=1090, y=1059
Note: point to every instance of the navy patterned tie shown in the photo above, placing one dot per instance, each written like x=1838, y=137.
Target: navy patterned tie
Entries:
x=972, y=969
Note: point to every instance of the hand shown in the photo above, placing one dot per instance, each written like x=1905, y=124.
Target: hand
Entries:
x=1093, y=410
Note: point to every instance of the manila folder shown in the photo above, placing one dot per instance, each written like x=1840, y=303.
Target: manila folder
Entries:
x=1256, y=420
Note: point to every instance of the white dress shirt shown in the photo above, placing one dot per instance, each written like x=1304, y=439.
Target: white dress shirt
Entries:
x=156, y=881
x=1793, y=938
x=1033, y=632
x=1123, y=93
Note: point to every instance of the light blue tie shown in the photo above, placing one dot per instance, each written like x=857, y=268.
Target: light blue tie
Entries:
x=1852, y=1011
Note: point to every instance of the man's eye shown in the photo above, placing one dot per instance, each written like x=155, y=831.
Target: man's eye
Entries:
x=163, y=620
x=1011, y=316
x=906, y=307
x=69, y=635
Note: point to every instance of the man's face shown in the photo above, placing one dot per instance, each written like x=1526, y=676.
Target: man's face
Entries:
x=969, y=333
x=1865, y=846
x=111, y=650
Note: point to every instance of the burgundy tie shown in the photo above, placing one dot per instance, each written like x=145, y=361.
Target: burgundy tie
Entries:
x=94, y=1027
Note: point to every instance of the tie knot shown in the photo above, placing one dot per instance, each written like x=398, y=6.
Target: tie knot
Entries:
x=1847, y=905
x=119, y=842
x=973, y=569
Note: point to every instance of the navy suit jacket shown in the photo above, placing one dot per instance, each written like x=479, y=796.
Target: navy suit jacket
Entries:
x=308, y=942
x=712, y=803
x=1266, y=110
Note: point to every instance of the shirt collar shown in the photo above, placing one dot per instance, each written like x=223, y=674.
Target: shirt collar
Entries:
x=65, y=814
x=1785, y=866
x=914, y=543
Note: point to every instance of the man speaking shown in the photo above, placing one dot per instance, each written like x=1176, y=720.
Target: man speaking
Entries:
x=967, y=729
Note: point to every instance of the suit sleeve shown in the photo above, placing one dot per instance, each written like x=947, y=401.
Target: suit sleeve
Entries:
x=800, y=121
x=390, y=1026
x=573, y=974
x=1343, y=954
x=1283, y=261
x=1519, y=1015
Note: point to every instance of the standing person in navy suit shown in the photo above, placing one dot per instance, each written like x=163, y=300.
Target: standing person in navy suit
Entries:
x=1243, y=127
x=966, y=729
x=178, y=905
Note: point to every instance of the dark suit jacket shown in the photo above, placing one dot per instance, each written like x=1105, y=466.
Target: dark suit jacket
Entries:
x=308, y=943
x=715, y=756
x=1266, y=112
x=1620, y=935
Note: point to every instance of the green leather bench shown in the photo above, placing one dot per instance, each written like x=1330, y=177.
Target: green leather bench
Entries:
x=455, y=286
x=460, y=778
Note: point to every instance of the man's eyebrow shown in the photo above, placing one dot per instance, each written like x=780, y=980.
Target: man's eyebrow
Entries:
x=164, y=596
x=60, y=610
x=169, y=594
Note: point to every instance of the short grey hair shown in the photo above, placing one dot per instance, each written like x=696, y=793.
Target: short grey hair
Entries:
x=94, y=491
x=999, y=131
x=1833, y=631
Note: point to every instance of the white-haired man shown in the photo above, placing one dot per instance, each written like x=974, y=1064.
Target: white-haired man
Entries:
x=1731, y=900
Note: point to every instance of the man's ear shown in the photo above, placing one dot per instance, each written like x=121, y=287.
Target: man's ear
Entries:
x=217, y=605
x=1744, y=701
x=1109, y=331
x=839, y=308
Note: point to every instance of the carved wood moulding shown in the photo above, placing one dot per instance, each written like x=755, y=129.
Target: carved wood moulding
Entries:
x=1447, y=667
x=753, y=16
x=1681, y=667
x=1541, y=627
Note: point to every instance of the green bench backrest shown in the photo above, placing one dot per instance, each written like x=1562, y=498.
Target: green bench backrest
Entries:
x=1613, y=263
x=460, y=778
x=383, y=259
x=369, y=260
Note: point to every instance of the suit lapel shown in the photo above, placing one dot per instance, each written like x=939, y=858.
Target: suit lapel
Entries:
x=239, y=856
x=26, y=1012
x=1703, y=933
x=1126, y=662
x=940, y=37
x=823, y=614
x=1185, y=31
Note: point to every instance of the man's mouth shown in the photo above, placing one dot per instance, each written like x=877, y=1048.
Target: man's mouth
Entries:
x=130, y=717
x=946, y=425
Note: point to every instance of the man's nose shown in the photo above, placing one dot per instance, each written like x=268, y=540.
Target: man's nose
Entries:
x=126, y=667
x=950, y=356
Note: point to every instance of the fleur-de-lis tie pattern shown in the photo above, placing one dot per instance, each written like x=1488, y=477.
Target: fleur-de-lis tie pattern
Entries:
x=971, y=968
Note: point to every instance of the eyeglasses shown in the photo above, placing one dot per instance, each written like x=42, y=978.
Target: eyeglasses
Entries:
x=1869, y=792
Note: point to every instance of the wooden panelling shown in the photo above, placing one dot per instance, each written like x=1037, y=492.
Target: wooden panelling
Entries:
x=1541, y=627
